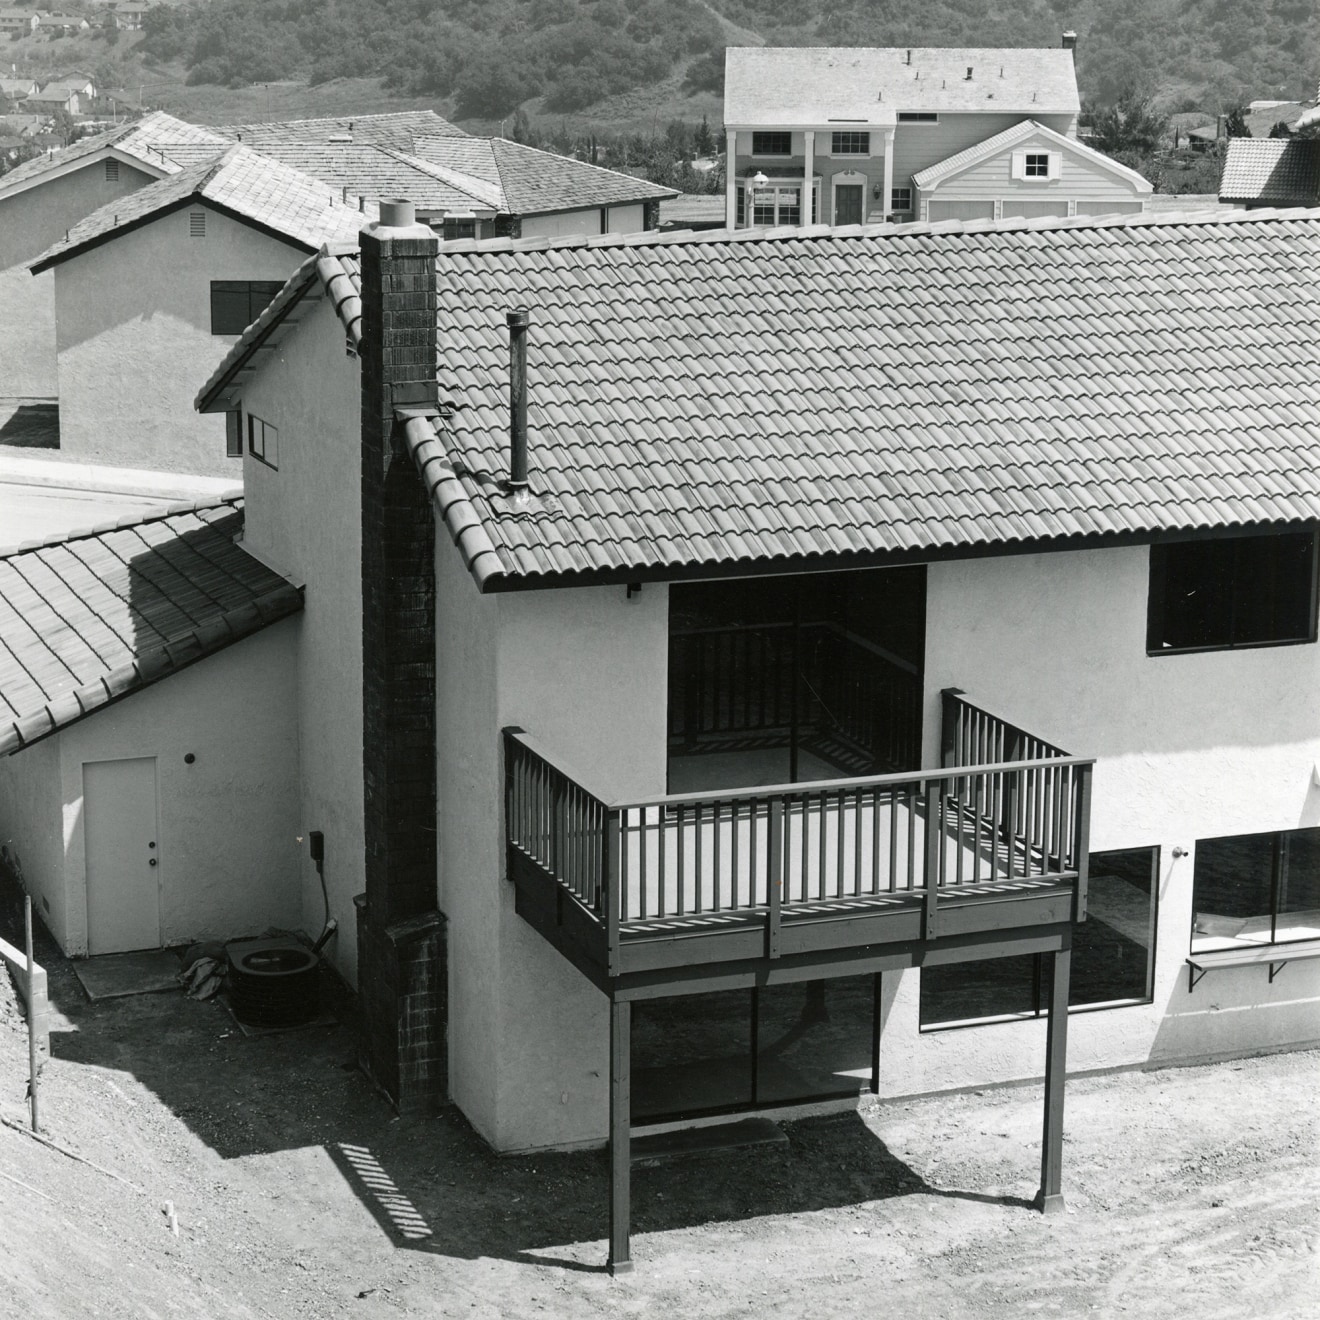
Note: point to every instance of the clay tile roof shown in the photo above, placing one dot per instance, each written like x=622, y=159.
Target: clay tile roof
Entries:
x=396, y=129
x=299, y=208
x=89, y=618
x=768, y=86
x=1272, y=171
x=740, y=401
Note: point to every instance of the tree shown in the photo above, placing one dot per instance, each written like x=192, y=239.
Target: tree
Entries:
x=1235, y=123
x=705, y=142
x=1130, y=124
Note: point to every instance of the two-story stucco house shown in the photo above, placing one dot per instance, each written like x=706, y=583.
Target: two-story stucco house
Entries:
x=871, y=133
x=687, y=743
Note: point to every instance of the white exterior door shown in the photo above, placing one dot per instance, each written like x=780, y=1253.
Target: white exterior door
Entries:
x=123, y=855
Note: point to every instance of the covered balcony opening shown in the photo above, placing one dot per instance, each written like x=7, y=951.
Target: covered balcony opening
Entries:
x=783, y=680
x=780, y=903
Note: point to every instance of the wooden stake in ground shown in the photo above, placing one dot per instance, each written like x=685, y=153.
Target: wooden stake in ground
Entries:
x=31, y=1013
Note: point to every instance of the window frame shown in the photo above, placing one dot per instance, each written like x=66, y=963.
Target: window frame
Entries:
x=894, y=207
x=771, y=133
x=1035, y=164
x=861, y=135
x=268, y=450
x=258, y=293
x=1040, y=981
x=746, y=206
x=924, y=118
x=1157, y=603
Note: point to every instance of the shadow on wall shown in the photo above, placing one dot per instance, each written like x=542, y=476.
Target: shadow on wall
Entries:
x=30, y=426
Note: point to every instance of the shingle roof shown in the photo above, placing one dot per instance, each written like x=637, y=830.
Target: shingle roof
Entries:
x=765, y=86
x=1272, y=171
x=143, y=140
x=89, y=618
x=532, y=182
x=1009, y=138
x=395, y=129
x=768, y=399
x=301, y=209
x=376, y=172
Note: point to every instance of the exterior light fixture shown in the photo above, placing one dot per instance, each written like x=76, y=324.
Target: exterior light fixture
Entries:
x=759, y=180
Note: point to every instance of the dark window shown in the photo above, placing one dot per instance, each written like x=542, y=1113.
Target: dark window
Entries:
x=918, y=117
x=460, y=229
x=234, y=434
x=235, y=304
x=740, y=210
x=1037, y=165
x=1113, y=954
x=744, y=1049
x=772, y=144
x=1237, y=591
x=1250, y=889
x=850, y=143
x=900, y=199
x=263, y=441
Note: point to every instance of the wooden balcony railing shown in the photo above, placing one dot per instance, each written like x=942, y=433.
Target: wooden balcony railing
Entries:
x=775, y=852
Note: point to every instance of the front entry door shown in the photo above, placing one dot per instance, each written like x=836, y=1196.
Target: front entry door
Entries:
x=848, y=204
x=123, y=855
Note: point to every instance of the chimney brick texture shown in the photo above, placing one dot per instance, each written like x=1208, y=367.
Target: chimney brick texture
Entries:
x=403, y=1029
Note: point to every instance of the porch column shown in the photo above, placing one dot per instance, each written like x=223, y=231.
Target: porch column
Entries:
x=620, y=1259
x=730, y=178
x=809, y=153
x=1050, y=1198
x=888, y=198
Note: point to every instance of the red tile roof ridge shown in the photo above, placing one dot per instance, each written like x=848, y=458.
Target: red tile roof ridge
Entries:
x=232, y=499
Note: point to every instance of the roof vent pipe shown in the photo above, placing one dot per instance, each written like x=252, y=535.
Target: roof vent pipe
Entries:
x=518, y=321
x=909, y=57
x=969, y=74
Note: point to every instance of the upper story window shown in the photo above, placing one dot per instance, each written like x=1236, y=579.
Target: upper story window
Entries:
x=1037, y=165
x=850, y=143
x=235, y=304
x=234, y=433
x=263, y=441
x=462, y=229
x=1232, y=592
x=772, y=144
x=918, y=117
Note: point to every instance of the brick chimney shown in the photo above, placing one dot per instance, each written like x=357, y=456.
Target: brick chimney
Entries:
x=401, y=965
x=1070, y=40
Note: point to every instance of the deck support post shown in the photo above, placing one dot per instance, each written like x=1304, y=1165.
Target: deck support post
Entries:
x=1050, y=1198
x=620, y=1258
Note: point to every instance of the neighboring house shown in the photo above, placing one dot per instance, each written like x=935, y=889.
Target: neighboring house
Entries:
x=1028, y=171
x=878, y=133
x=956, y=517
x=62, y=22
x=1271, y=172
x=128, y=16
x=78, y=83
x=52, y=100
x=17, y=89
x=150, y=290
x=18, y=22
x=22, y=127
x=692, y=211
x=42, y=199
x=145, y=813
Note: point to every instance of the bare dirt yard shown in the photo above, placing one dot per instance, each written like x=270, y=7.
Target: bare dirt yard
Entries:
x=1192, y=1192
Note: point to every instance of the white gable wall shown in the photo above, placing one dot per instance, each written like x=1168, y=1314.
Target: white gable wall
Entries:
x=30, y=222
x=133, y=322
x=1083, y=186
x=304, y=519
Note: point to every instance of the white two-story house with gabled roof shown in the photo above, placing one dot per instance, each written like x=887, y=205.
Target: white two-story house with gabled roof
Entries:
x=687, y=744
x=928, y=134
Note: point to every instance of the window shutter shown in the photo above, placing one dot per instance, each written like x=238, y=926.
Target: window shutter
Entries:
x=196, y=224
x=1019, y=165
x=1056, y=164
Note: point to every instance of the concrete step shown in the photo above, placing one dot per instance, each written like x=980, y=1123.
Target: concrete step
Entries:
x=659, y=1146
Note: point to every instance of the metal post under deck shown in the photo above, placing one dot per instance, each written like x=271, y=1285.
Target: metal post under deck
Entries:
x=620, y=1258
x=1050, y=1198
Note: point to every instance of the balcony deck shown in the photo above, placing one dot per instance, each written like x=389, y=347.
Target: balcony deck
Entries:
x=888, y=870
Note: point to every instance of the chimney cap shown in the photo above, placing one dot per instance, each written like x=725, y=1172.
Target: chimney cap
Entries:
x=1070, y=40
x=397, y=213
x=519, y=317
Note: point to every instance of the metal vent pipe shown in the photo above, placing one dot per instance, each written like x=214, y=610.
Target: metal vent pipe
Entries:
x=518, y=320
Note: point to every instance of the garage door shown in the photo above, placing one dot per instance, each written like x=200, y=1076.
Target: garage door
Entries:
x=1015, y=207
x=961, y=210
x=1109, y=208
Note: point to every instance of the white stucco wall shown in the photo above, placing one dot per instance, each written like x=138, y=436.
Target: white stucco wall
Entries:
x=133, y=324
x=227, y=823
x=305, y=520
x=583, y=672
x=1186, y=747
x=30, y=222
x=30, y=825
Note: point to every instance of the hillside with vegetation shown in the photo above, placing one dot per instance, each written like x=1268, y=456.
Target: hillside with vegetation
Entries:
x=561, y=56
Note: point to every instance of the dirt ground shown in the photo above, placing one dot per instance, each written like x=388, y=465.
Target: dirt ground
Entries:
x=1191, y=1192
